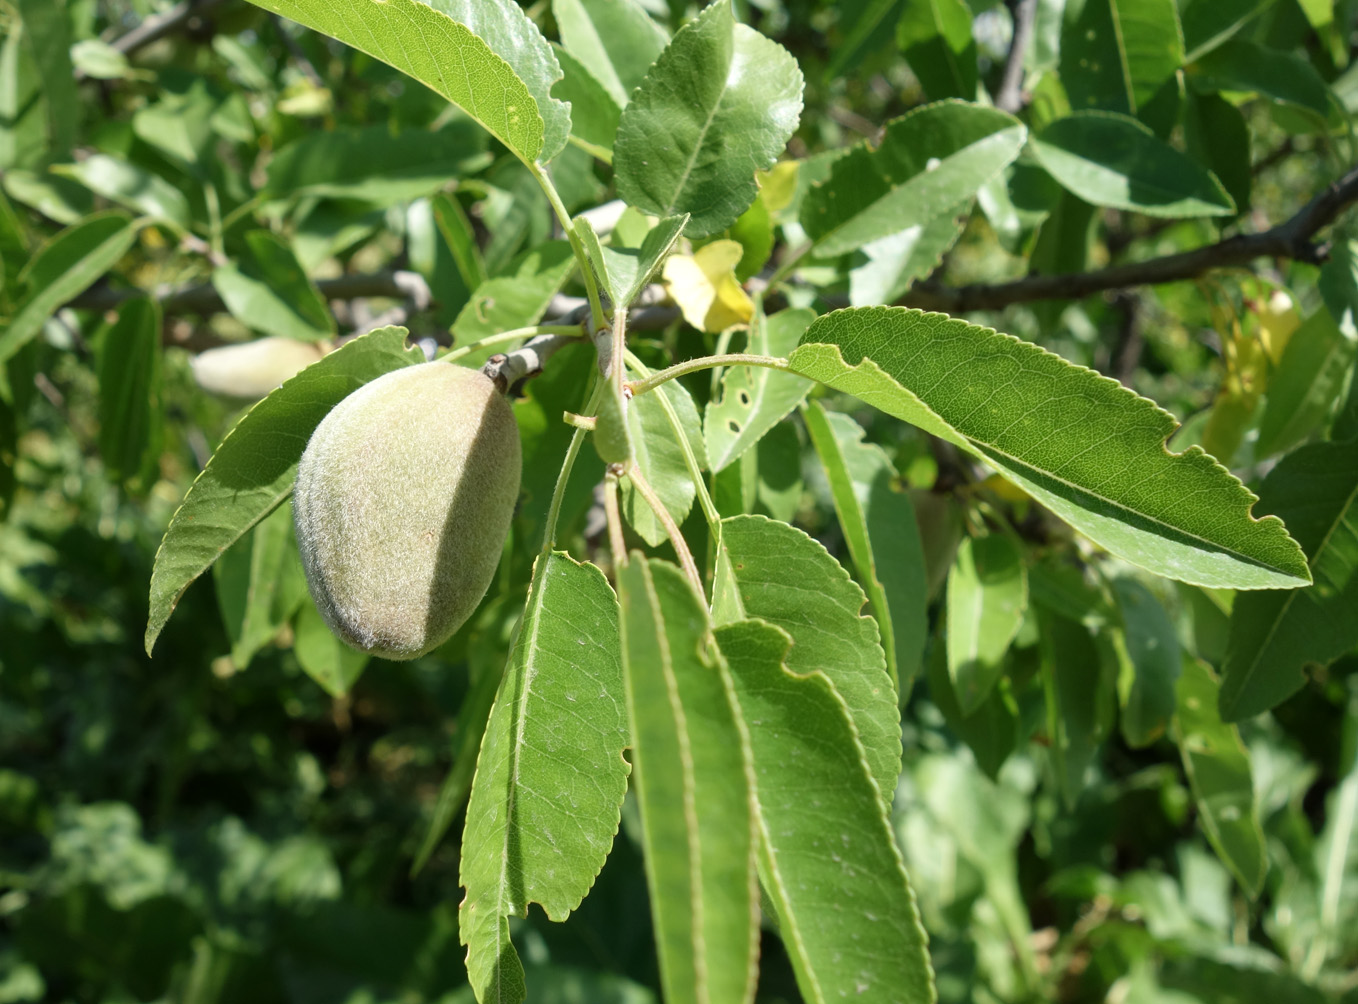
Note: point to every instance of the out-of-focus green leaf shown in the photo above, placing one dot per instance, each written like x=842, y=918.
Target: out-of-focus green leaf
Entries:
x=991, y=732
x=460, y=237
x=1115, y=54
x=64, y=267
x=754, y=399
x=131, y=186
x=1209, y=23
x=255, y=592
x=883, y=537
x=506, y=68
x=47, y=30
x=1150, y=656
x=23, y=135
x=615, y=39
x=1242, y=65
x=656, y=450
x=1113, y=160
x=693, y=784
x=1218, y=769
x=517, y=296
x=718, y=105
x=827, y=855
x=269, y=291
x=550, y=777
x=895, y=262
x=1275, y=634
x=1337, y=850
x=1083, y=445
x=773, y=572
x=322, y=656
x=255, y=466
x=1306, y=384
x=130, y=407
x=375, y=165
x=594, y=112
x=935, y=37
x=1079, y=699
x=934, y=157
x=987, y=598
x=622, y=271
x=1217, y=137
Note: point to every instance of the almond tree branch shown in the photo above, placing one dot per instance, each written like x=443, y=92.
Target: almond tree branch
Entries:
x=1009, y=98
x=1293, y=239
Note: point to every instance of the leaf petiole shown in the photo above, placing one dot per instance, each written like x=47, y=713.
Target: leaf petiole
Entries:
x=596, y=308
x=572, y=451
x=564, y=330
x=686, y=561
x=705, y=363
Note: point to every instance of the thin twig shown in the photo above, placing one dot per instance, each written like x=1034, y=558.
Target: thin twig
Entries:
x=506, y=369
x=616, y=544
x=156, y=27
x=1009, y=97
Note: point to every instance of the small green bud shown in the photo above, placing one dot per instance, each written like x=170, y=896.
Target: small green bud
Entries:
x=404, y=498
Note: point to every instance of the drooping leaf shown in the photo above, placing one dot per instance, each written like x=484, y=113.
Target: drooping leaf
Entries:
x=623, y=272
x=375, y=165
x=1275, y=634
x=1306, y=384
x=1113, y=160
x=693, y=784
x=129, y=185
x=705, y=287
x=656, y=450
x=1337, y=849
x=773, y=572
x=257, y=591
x=485, y=56
x=718, y=105
x=615, y=39
x=594, y=112
x=987, y=598
x=934, y=157
x=883, y=538
x=1151, y=665
x=1079, y=698
x=253, y=470
x=827, y=856
x=1217, y=137
x=1083, y=445
x=270, y=292
x=935, y=37
x=517, y=296
x=991, y=731
x=550, y=779
x=63, y=268
x=754, y=399
x=895, y=262
x=130, y=405
x=460, y=237
x=1115, y=54
x=46, y=26
x=1243, y=65
x=1218, y=769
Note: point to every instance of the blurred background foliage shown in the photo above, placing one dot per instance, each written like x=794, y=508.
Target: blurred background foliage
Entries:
x=232, y=822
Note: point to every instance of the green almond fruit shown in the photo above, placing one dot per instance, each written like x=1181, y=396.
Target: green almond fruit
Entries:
x=404, y=497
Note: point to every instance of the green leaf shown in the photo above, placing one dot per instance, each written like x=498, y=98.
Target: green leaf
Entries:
x=322, y=656
x=935, y=36
x=778, y=472
x=1309, y=379
x=883, y=538
x=693, y=784
x=518, y=295
x=269, y=291
x=594, y=112
x=47, y=27
x=1079, y=699
x=895, y=262
x=1115, y=54
x=987, y=598
x=1275, y=634
x=460, y=237
x=1113, y=160
x=1217, y=137
x=754, y=399
x=253, y=469
x=624, y=272
x=827, y=855
x=1218, y=769
x=485, y=56
x=773, y=572
x=63, y=268
x=991, y=732
x=718, y=105
x=934, y=157
x=1209, y=23
x=257, y=585
x=130, y=405
x=656, y=450
x=550, y=778
x=23, y=136
x=131, y=186
x=1242, y=65
x=1081, y=444
x=373, y=165
x=1337, y=848
x=612, y=431
x=1150, y=657
x=615, y=39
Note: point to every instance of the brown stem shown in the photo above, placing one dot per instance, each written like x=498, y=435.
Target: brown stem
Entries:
x=1009, y=98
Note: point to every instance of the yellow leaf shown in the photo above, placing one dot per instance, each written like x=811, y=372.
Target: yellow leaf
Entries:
x=705, y=288
x=1278, y=318
x=778, y=184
